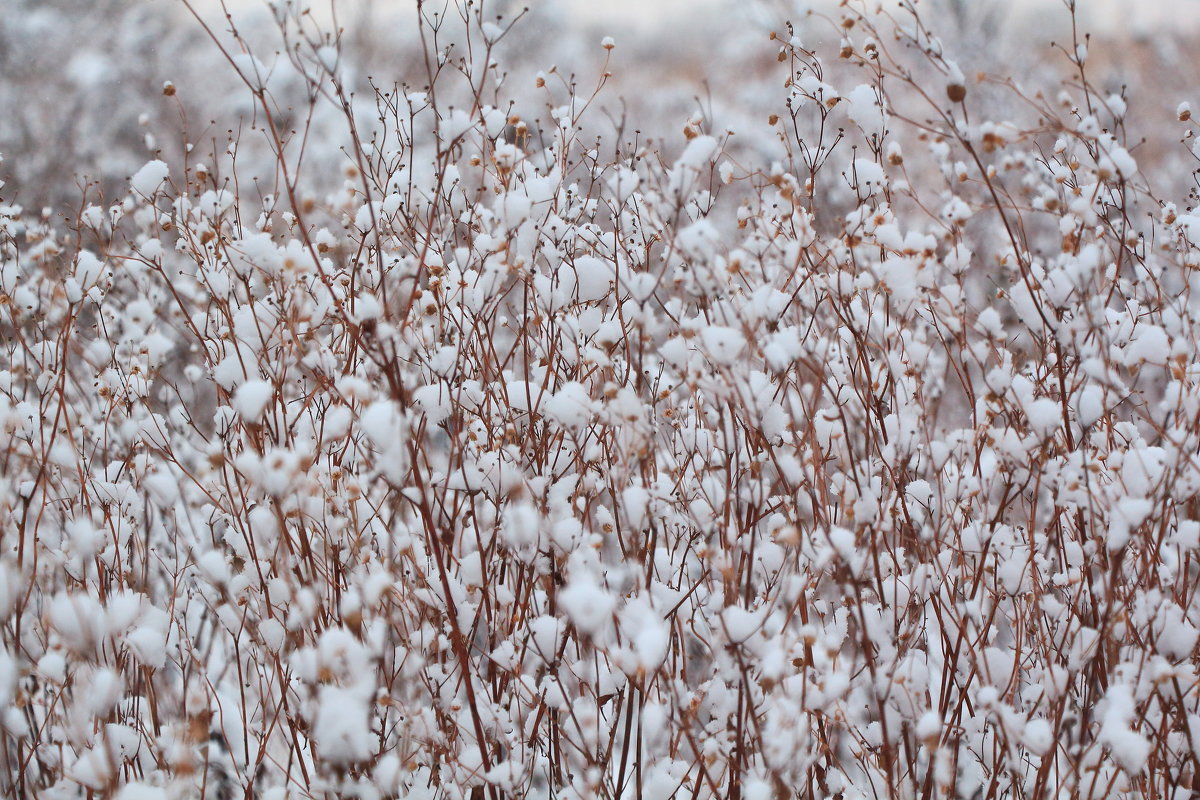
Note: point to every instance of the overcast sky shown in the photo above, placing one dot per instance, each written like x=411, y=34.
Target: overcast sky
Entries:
x=1095, y=14
x=1139, y=16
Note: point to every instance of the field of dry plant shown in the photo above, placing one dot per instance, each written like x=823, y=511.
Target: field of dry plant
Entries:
x=519, y=421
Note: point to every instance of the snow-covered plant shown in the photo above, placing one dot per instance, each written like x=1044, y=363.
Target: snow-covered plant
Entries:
x=548, y=456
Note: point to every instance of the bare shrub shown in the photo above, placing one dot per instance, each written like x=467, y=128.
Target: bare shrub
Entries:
x=548, y=456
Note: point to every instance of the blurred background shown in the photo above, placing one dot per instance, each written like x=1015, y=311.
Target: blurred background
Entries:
x=82, y=107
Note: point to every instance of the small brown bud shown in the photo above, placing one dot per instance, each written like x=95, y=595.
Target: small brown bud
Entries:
x=169, y=89
x=956, y=92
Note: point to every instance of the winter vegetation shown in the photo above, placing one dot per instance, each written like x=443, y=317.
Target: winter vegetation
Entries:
x=825, y=425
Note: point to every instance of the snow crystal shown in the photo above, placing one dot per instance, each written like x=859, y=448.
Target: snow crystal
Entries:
x=88, y=269
x=229, y=371
x=51, y=666
x=929, y=725
x=9, y=674
x=623, y=183
x=547, y=633
x=723, y=345
x=213, y=566
x=651, y=640
x=988, y=322
x=434, y=400
x=570, y=406
x=147, y=179
x=699, y=153
x=343, y=725
x=1038, y=736
x=868, y=176
x=147, y=643
x=252, y=398
x=162, y=488
x=1044, y=415
x=1177, y=636
x=257, y=250
x=514, y=208
x=381, y=421
x=899, y=274
x=141, y=791
x=77, y=620
x=253, y=71
x=1129, y=748
x=592, y=278
x=1150, y=345
x=1125, y=165
x=588, y=604
x=740, y=624
x=1089, y=404
x=328, y=56
x=864, y=110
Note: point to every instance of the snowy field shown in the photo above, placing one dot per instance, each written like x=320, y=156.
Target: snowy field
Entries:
x=654, y=401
